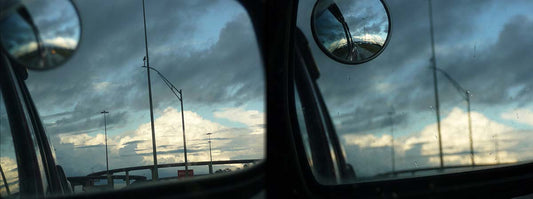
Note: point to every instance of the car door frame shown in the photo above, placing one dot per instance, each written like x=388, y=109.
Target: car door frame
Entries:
x=30, y=181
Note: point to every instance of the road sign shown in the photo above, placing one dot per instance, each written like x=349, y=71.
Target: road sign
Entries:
x=181, y=173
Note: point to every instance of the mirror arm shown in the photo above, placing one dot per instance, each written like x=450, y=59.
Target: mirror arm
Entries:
x=335, y=11
x=27, y=16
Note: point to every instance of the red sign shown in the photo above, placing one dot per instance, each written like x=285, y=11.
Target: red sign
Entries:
x=181, y=173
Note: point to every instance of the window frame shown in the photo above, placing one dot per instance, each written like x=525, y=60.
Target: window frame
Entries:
x=30, y=181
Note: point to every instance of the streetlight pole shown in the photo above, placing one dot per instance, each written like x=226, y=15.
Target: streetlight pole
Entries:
x=435, y=83
x=392, y=140
x=106, y=155
x=183, y=128
x=210, y=155
x=466, y=95
x=179, y=94
x=154, y=151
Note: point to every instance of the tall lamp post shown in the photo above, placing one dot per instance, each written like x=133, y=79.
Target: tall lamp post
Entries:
x=179, y=94
x=104, y=112
x=210, y=155
x=466, y=95
x=392, y=139
x=435, y=82
x=155, y=175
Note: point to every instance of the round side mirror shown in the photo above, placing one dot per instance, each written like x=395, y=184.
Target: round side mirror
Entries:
x=351, y=31
x=39, y=35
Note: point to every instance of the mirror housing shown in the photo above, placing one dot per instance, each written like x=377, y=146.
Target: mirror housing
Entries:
x=37, y=39
x=353, y=32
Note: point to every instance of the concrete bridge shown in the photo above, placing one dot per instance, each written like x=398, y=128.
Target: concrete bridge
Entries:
x=88, y=181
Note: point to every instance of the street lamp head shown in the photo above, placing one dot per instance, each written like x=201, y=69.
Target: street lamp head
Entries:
x=209, y=133
x=104, y=112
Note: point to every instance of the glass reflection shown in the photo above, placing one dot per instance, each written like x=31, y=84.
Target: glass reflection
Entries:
x=351, y=31
x=9, y=179
x=41, y=34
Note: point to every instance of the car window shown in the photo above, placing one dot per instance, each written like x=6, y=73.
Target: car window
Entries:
x=384, y=111
x=9, y=184
x=205, y=67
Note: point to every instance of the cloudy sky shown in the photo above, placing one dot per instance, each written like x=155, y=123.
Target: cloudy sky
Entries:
x=483, y=45
x=208, y=49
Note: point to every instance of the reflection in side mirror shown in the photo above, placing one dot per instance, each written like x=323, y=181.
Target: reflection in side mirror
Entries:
x=351, y=31
x=40, y=35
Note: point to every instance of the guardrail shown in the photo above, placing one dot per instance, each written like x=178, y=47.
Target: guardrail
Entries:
x=413, y=171
x=88, y=181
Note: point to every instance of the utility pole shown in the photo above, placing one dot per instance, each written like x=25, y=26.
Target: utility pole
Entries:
x=109, y=180
x=392, y=140
x=466, y=95
x=210, y=155
x=179, y=94
x=184, y=140
x=496, y=149
x=435, y=84
x=155, y=175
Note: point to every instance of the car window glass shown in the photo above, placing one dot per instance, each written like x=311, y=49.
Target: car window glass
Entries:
x=385, y=112
x=9, y=182
x=32, y=130
x=300, y=116
x=205, y=61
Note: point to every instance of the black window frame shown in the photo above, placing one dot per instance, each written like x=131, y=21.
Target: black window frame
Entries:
x=30, y=180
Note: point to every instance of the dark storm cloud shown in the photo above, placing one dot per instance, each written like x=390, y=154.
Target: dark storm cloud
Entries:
x=233, y=62
x=177, y=151
x=105, y=72
x=402, y=70
x=136, y=142
x=363, y=120
x=86, y=121
x=364, y=16
x=91, y=146
x=505, y=64
x=206, y=139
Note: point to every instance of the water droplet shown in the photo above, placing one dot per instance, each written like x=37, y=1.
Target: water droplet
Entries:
x=431, y=107
x=436, y=137
x=517, y=116
x=416, y=164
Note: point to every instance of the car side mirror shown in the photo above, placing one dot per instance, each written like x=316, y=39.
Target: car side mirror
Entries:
x=35, y=36
x=351, y=32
